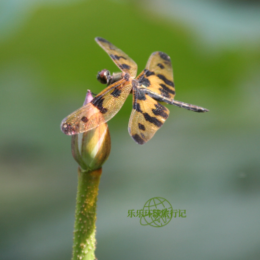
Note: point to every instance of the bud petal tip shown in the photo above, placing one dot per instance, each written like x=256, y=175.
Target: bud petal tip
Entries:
x=88, y=98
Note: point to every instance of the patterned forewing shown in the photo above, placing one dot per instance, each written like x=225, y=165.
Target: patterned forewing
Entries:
x=101, y=109
x=158, y=75
x=123, y=62
x=147, y=117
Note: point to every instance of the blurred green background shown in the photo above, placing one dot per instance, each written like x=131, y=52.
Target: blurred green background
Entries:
x=208, y=164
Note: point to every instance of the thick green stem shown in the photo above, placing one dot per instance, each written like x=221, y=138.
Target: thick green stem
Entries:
x=84, y=241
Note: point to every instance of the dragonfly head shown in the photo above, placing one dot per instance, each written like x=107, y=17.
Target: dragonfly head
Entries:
x=104, y=76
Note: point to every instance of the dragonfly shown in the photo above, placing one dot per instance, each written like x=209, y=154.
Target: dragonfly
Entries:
x=151, y=87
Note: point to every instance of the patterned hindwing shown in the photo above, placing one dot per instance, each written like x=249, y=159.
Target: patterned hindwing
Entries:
x=158, y=75
x=147, y=117
x=101, y=109
x=123, y=62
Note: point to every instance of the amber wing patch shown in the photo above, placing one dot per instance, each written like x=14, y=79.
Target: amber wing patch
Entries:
x=158, y=75
x=147, y=117
x=101, y=109
x=125, y=63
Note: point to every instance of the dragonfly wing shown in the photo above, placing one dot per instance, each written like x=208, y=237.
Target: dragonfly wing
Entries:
x=101, y=109
x=125, y=63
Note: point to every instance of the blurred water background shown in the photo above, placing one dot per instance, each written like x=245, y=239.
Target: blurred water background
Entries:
x=208, y=164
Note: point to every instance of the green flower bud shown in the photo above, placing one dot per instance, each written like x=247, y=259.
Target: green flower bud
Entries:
x=92, y=148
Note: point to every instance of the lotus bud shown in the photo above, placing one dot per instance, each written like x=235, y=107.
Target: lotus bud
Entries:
x=91, y=149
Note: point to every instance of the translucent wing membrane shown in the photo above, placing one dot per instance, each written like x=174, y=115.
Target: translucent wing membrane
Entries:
x=157, y=80
x=101, y=109
x=158, y=75
x=147, y=116
x=125, y=63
